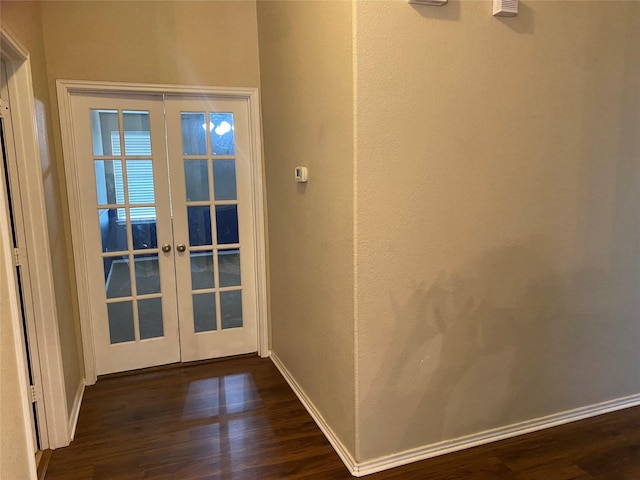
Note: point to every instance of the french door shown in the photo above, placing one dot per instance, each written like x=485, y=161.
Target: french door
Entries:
x=167, y=224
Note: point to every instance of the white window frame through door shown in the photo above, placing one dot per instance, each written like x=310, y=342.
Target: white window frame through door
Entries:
x=66, y=88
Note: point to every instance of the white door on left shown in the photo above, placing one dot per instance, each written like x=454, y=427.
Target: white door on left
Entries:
x=121, y=156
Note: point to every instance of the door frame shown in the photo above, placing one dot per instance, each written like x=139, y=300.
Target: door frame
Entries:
x=65, y=89
x=57, y=429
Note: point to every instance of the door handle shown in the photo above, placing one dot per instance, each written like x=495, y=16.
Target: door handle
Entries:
x=181, y=247
x=166, y=248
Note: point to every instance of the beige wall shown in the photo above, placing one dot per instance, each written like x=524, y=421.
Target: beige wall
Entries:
x=498, y=215
x=305, y=60
x=24, y=20
x=178, y=42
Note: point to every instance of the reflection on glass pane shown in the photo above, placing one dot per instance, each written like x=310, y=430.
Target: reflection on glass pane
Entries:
x=150, y=318
x=204, y=312
x=229, y=267
x=140, y=181
x=231, y=309
x=224, y=179
x=227, y=223
x=109, y=182
x=222, y=140
x=113, y=229
x=121, y=322
x=201, y=270
x=137, y=138
x=147, y=274
x=196, y=179
x=143, y=228
x=194, y=130
x=117, y=279
x=199, y=225
x=103, y=123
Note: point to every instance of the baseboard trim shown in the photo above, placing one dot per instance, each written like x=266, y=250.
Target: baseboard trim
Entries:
x=335, y=442
x=75, y=411
x=494, y=435
x=359, y=469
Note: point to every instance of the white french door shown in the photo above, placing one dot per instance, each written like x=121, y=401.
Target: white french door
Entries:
x=167, y=223
x=211, y=192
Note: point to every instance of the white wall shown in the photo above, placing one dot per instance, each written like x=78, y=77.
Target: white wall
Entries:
x=498, y=215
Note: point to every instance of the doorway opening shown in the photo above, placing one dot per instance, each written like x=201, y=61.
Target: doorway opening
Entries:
x=168, y=222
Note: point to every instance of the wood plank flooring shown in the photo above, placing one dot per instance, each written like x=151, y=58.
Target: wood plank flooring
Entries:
x=238, y=419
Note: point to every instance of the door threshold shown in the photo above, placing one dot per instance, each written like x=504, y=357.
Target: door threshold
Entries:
x=171, y=366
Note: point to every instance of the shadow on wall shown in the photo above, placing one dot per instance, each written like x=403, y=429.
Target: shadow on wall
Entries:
x=540, y=324
x=507, y=338
x=449, y=11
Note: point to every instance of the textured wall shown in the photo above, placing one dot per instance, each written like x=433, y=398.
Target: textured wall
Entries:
x=179, y=42
x=498, y=215
x=305, y=60
x=24, y=20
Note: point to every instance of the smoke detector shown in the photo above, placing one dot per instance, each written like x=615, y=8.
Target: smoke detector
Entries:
x=505, y=8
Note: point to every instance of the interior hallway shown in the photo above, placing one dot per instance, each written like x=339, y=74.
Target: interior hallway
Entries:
x=238, y=419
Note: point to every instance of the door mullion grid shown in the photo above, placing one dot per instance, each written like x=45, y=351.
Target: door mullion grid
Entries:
x=214, y=234
x=127, y=209
x=219, y=289
x=207, y=121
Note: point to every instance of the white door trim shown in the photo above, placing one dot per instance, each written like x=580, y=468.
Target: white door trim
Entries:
x=23, y=409
x=65, y=89
x=19, y=83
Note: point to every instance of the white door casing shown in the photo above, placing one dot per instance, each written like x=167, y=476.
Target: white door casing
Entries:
x=58, y=426
x=249, y=171
x=9, y=173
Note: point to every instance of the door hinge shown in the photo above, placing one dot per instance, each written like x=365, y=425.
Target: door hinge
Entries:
x=35, y=393
x=18, y=256
x=4, y=106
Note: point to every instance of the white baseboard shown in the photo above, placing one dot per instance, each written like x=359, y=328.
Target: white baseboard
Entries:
x=75, y=411
x=335, y=442
x=494, y=435
x=368, y=467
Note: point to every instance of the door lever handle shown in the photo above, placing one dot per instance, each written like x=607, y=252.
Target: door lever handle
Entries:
x=181, y=247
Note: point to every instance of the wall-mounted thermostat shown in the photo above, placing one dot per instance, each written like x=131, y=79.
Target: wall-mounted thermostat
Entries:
x=302, y=174
x=505, y=8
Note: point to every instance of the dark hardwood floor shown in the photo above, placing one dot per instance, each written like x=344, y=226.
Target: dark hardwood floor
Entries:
x=238, y=419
